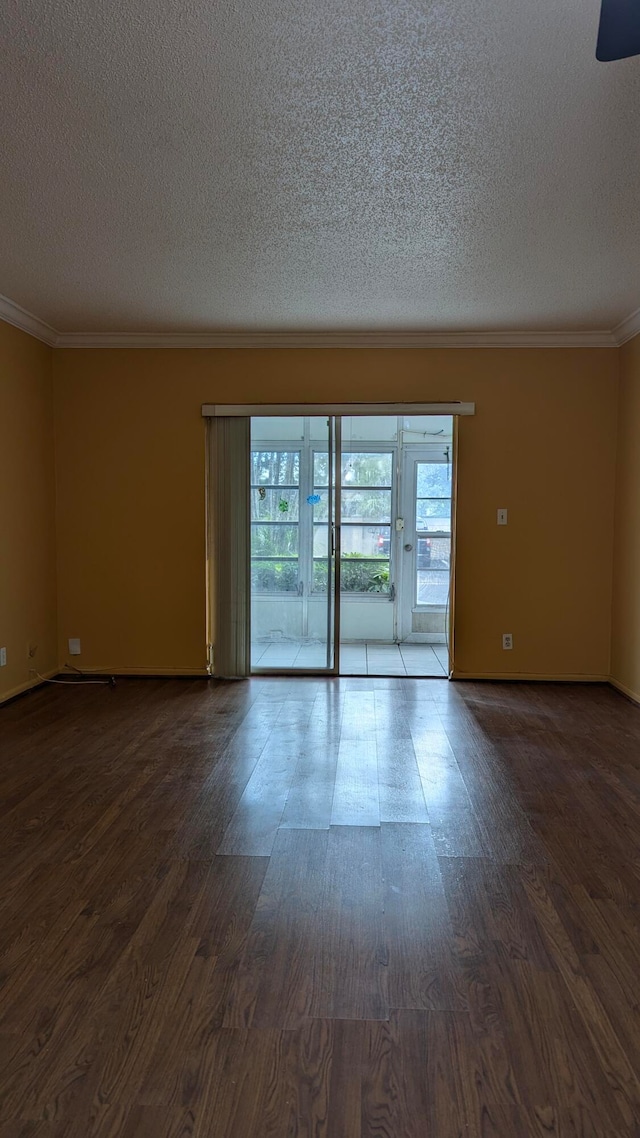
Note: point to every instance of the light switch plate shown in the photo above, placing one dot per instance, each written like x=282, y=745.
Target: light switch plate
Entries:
x=74, y=647
x=502, y=517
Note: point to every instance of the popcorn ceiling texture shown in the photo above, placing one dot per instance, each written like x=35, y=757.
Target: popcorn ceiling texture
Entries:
x=310, y=164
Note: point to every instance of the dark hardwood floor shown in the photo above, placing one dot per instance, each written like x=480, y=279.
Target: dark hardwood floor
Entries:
x=335, y=909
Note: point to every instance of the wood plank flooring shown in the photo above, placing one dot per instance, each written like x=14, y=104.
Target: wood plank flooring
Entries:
x=357, y=908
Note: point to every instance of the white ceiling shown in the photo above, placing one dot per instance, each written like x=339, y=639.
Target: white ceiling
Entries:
x=317, y=164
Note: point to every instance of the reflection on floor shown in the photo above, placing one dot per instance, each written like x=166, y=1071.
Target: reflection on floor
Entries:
x=367, y=658
x=245, y=910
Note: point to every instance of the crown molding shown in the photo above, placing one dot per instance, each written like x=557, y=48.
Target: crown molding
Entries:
x=20, y=318
x=627, y=329
x=13, y=314
x=601, y=339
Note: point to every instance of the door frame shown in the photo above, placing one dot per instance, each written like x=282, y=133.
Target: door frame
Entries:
x=406, y=604
x=338, y=410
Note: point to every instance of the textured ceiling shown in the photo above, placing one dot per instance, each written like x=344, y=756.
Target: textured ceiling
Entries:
x=310, y=164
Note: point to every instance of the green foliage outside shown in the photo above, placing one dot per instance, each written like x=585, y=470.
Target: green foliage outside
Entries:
x=274, y=576
x=356, y=575
x=275, y=497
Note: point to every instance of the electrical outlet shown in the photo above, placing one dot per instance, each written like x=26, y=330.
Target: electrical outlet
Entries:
x=74, y=647
x=507, y=641
x=3, y=657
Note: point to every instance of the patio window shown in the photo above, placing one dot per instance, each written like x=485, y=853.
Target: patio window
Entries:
x=275, y=500
x=366, y=487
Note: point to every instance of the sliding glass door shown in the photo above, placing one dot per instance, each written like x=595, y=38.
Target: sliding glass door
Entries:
x=327, y=529
x=294, y=503
x=350, y=541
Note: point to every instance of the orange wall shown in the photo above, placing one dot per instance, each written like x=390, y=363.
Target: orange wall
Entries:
x=131, y=505
x=625, y=635
x=27, y=509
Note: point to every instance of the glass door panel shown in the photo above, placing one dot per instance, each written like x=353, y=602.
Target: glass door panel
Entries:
x=426, y=548
x=432, y=533
x=365, y=519
x=292, y=545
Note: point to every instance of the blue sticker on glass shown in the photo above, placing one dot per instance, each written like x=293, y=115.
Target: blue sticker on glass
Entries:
x=313, y=499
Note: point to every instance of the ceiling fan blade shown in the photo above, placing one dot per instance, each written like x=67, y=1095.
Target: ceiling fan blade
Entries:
x=619, y=31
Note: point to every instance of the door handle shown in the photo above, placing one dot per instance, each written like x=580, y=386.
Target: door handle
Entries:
x=408, y=548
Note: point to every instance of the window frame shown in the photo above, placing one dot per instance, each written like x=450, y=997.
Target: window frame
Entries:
x=431, y=606
x=364, y=447
x=293, y=446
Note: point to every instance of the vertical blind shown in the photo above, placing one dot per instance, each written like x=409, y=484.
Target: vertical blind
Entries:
x=228, y=545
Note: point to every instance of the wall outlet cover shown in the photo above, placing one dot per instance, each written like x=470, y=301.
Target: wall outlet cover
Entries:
x=74, y=647
x=507, y=641
x=3, y=657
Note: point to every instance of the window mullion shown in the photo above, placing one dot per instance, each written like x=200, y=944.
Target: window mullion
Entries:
x=305, y=532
